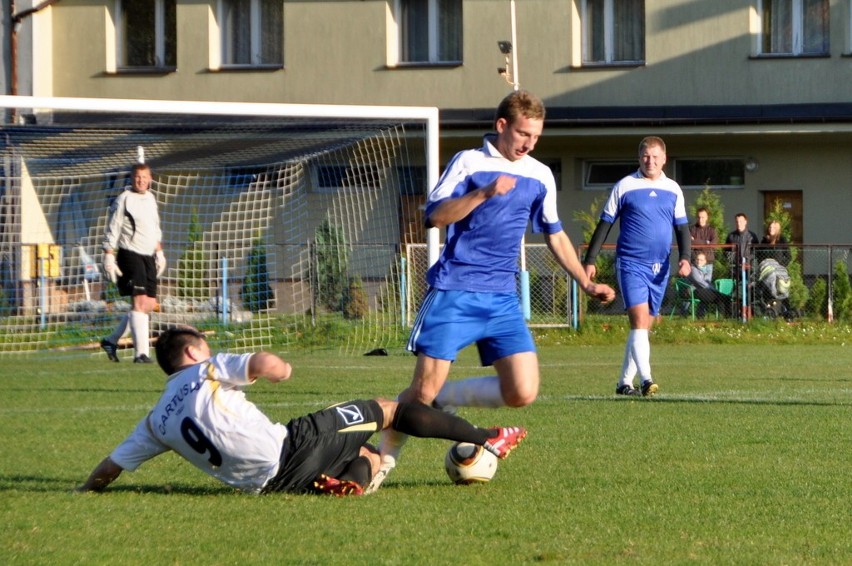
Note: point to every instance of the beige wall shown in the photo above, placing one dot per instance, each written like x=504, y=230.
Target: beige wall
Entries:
x=697, y=53
x=335, y=52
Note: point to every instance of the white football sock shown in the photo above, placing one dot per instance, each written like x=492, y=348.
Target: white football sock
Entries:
x=640, y=346
x=139, y=330
x=472, y=392
x=121, y=330
x=628, y=367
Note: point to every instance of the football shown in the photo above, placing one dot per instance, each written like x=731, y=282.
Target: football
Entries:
x=468, y=463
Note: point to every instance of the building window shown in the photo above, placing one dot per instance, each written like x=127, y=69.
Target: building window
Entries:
x=412, y=179
x=147, y=33
x=555, y=166
x=426, y=31
x=613, y=31
x=252, y=32
x=715, y=173
x=602, y=175
x=794, y=27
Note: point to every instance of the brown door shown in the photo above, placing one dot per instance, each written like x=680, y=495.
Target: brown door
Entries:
x=792, y=202
x=411, y=222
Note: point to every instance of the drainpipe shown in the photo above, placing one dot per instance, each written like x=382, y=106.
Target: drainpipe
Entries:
x=15, y=21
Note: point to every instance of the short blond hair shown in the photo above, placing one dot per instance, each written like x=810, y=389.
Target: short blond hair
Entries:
x=520, y=103
x=651, y=141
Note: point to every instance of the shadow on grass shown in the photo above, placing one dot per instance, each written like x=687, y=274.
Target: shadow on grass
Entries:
x=153, y=390
x=698, y=399
x=41, y=484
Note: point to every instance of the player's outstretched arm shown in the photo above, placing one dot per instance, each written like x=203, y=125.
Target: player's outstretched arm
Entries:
x=268, y=366
x=563, y=250
x=104, y=474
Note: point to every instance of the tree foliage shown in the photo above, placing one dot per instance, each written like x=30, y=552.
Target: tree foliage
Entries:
x=256, y=292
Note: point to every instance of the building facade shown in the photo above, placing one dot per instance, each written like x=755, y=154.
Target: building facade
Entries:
x=753, y=97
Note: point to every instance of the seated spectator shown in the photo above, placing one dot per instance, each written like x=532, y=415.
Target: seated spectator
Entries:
x=701, y=279
x=702, y=272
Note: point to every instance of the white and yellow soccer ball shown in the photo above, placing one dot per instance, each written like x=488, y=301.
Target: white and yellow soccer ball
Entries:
x=468, y=463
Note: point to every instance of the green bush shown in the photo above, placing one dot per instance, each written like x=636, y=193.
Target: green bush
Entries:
x=354, y=300
x=818, y=299
x=192, y=268
x=842, y=299
x=256, y=292
x=798, y=290
x=331, y=262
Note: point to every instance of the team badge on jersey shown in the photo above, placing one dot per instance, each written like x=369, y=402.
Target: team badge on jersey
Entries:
x=350, y=414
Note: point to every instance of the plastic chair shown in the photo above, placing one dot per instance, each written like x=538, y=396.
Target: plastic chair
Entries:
x=684, y=295
x=725, y=287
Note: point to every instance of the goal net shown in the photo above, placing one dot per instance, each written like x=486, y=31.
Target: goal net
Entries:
x=281, y=223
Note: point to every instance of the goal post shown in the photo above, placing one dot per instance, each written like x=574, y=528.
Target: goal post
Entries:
x=279, y=220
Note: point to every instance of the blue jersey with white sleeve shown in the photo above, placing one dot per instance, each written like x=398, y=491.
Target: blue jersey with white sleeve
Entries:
x=481, y=251
x=647, y=209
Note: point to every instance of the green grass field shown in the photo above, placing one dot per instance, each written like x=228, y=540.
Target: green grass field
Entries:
x=743, y=458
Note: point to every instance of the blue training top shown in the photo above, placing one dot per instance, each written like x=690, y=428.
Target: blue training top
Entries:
x=648, y=211
x=481, y=251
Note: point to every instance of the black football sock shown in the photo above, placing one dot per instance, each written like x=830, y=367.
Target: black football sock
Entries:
x=422, y=421
x=359, y=471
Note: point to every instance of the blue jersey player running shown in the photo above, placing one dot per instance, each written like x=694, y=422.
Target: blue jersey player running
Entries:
x=485, y=199
x=648, y=204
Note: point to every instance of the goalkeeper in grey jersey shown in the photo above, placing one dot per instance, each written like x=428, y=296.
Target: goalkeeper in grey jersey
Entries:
x=133, y=260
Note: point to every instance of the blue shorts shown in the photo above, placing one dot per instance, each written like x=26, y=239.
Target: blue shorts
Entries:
x=449, y=321
x=641, y=282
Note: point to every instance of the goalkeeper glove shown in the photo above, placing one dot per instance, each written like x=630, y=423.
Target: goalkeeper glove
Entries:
x=111, y=268
x=160, y=260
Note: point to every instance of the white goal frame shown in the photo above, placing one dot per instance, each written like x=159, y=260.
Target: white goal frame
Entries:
x=24, y=106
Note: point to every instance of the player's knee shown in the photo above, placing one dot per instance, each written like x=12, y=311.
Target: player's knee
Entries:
x=520, y=398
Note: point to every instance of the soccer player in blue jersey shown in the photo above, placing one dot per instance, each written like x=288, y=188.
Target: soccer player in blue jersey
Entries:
x=485, y=199
x=648, y=205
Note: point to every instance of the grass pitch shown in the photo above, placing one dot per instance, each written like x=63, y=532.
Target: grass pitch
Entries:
x=743, y=458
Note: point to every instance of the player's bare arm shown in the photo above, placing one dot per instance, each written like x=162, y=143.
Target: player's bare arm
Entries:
x=269, y=367
x=104, y=474
x=454, y=209
x=563, y=250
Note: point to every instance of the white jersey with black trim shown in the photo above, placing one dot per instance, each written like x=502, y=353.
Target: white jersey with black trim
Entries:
x=648, y=210
x=481, y=251
x=134, y=223
x=203, y=415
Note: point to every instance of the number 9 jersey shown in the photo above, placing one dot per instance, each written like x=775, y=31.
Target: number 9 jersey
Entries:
x=203, y=415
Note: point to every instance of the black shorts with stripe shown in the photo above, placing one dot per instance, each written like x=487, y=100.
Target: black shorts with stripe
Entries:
x=138, y=274
x=324, y=442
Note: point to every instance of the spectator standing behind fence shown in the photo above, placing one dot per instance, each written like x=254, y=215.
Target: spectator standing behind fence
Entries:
x=703, y=234
x=774, y=245
x=744, y=240
x=133, y=260
x=649, y=205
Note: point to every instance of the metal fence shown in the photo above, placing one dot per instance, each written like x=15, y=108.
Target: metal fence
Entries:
x=814, y=284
